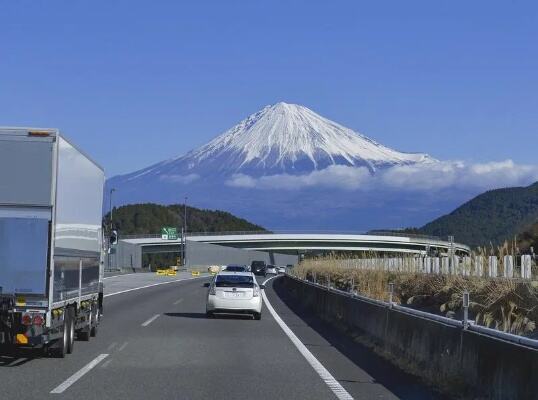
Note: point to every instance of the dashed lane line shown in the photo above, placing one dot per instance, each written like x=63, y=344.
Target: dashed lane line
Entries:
x=149, y=321
x=153, y=284
x=79, y=374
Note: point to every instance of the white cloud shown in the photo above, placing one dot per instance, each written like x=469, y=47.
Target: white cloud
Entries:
x=419, y=177
x=184, y=179
x=335, y=176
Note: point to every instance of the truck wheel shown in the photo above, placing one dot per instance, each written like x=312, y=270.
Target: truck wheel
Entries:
x=95, y=321
x=71, y=330
x=59, y=349
x=84, y=333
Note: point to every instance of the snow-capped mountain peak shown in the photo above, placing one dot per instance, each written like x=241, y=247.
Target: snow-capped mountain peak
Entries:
x=282, y=138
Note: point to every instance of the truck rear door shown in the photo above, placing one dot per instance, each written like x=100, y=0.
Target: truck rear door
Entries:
x=26, y=182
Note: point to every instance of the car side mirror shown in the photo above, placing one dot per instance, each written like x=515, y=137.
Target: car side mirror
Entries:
x=262, y=286
x=207, y=284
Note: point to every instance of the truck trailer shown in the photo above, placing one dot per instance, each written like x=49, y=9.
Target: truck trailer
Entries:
x=51, y=241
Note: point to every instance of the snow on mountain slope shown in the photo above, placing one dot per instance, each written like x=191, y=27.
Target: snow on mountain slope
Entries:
x=281, y=138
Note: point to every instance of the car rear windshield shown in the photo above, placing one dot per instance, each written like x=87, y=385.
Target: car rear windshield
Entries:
x=258, y=264
x=234, y=281
x=235, y=268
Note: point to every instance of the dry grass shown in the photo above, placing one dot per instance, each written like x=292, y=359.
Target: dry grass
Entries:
x=504, y=304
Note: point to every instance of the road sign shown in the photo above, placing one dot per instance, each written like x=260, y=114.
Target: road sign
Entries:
x=168, y=233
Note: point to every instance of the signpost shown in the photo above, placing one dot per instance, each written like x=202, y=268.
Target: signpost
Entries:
x=169, y=233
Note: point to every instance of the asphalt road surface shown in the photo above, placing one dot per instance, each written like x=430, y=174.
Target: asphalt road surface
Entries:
x=156, y=343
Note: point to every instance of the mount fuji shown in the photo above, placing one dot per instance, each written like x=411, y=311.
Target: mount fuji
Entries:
x=279, y=140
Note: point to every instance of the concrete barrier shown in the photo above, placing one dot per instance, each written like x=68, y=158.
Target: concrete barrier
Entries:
x=467, y=363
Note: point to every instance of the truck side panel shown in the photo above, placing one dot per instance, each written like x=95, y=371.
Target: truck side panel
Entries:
x=77, y=242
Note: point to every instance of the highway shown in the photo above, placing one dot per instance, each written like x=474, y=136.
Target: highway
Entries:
x=156, y=343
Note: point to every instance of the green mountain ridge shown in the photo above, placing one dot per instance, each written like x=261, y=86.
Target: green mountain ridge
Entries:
x=149, y=218
x=491, y=218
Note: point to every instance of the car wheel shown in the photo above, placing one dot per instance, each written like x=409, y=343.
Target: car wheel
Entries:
x=257, y=316
x=209, y=314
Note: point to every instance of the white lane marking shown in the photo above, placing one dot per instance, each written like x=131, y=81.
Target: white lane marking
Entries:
x=123, y=346
x=177, y=302
x=114, y=276
x=153, y=284
x=267, y=280
x=324, y=374
x=106, y=363
x=79, y=374
x=111, y=346
x=149, y=321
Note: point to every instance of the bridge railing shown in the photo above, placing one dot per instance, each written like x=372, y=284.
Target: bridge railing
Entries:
x=283, y=232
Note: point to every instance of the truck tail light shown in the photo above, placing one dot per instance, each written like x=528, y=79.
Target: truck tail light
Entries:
x=26, y=319
x=38, y=320
x=39, y=133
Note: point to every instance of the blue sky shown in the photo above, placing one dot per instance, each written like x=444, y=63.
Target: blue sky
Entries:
x=136, y=82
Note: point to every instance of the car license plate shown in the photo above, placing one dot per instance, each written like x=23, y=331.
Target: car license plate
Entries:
x=234, y=294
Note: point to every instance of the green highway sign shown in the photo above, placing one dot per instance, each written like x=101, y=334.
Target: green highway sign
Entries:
x=168, y=233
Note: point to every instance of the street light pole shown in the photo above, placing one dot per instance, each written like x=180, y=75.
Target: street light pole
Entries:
x=185, y=214
x=185, y=232
x=112, y=190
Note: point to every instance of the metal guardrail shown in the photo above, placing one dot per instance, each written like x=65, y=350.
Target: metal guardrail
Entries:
x=472, y=327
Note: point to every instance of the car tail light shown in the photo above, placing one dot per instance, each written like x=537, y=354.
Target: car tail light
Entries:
x=26, y=319
x=212, y=290
x=38, y=320
x=256, y=291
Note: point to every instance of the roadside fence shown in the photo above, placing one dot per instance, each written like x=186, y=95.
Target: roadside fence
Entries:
x=508, y=266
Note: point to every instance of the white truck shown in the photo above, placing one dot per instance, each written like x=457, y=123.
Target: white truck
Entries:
x=51, y=241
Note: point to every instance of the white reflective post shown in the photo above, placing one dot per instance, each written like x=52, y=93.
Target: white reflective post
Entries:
x=465, y=309
x=526, y=263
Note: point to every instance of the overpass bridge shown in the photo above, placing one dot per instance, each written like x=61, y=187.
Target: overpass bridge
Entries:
x=292, y=243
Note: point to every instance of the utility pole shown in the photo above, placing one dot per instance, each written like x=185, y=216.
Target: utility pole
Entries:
x=185, y=232
x=112, y=190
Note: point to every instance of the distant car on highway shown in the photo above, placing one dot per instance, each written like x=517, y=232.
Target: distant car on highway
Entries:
x=234, y=293
x=236, y=268
x=271, y=269
x=281, y=270
x=258, y=268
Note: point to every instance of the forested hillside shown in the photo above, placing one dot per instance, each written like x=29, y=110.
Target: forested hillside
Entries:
x=491, y=217
x=150, y=218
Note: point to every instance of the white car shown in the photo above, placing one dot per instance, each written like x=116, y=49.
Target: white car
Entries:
x=271, y=269
x=281, y=270
x=234, y=293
